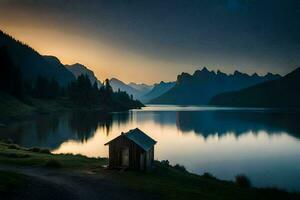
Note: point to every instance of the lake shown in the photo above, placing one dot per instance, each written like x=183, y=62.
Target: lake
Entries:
x=260, y=143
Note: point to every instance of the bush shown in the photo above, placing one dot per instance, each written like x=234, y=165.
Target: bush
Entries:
x=180, y=168
x=45, y=151
x=208, y=176
x=242, y=181
x=14, y=146
x=35, y=149
x=53, y=164
x=7, y=141
x=165, y=163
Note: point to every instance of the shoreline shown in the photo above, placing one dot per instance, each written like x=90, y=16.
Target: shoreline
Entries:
x=164, y=181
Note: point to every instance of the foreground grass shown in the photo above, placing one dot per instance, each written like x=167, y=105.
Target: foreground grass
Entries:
x=172, y=183
x=10, y=181
x=12, y=154
x=166, y=181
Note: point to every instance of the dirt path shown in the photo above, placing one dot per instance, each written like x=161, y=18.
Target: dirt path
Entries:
x=52, y=184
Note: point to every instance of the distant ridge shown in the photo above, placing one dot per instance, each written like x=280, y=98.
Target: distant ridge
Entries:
x=282, y=92
x=158, y=89
x=200, y=87
x=78, y=69
x=141, y=87
x=117, y=84
x=32, y=64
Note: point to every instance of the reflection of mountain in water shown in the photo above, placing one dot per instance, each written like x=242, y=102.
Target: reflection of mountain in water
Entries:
x=238, y=122
x=161, y=117
x=50, y=131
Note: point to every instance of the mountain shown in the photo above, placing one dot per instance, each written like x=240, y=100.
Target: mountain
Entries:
x=200, y=87
x=32, y=64
x=116, y=84
x=157, y=91
x=142, y=88
x=283, y=92
x=78, y=69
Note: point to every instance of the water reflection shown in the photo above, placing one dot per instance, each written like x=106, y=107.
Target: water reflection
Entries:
x=50, y=131
x=259, y=143
x=220, y=123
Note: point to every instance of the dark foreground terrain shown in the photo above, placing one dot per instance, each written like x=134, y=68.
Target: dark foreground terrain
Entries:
x=35, y=173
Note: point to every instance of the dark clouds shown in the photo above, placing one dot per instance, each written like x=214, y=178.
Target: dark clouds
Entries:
x=251, y=33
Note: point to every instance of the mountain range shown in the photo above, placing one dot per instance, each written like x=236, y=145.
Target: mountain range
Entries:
x=79, y=69
x=200, y=87
x=282, y=92
x=32, y=64
x=143, y=92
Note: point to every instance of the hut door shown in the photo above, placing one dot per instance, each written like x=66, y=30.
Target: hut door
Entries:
x=142, y=161
x=125, y=157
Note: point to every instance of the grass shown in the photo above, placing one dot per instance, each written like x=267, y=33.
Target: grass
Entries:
x=173, y=183
x=10, y=181
x=41, y=157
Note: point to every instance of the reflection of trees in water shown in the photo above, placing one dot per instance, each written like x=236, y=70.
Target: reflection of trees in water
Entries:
x=46, y=125
x=121, y=118
x=238, y=122
x=50, y=131
x=85, y=124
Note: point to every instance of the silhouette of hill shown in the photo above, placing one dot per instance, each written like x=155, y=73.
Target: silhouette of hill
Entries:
x=283, y=92
x=116, y=84
x=158, y=90
x=200, y=87
x=79, y=69
x=32, y=64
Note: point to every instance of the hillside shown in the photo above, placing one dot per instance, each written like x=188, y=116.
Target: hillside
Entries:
x=200, y=87
x=157, y=91
x=78, y=69
x=283, y=92
x=32, y=64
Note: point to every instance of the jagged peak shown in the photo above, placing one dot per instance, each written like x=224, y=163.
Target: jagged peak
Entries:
x=221, y=73
x=236, y=72
x=205, y=69
x=255, y=75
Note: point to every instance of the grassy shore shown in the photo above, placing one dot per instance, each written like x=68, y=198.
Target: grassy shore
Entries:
x=165, y=181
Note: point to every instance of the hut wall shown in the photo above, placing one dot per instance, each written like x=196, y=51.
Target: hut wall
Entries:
x=115, y=149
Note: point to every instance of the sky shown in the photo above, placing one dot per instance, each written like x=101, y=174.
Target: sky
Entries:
x=152, y=41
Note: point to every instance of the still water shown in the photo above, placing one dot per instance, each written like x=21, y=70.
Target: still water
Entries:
x=262, y=144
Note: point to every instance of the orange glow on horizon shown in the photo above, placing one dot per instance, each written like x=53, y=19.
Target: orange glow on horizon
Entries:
x=104, y=59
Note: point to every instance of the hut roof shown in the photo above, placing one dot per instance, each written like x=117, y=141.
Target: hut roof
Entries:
x=138, y=137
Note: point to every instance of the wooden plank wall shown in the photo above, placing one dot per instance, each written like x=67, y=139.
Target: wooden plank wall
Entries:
x=115, y=148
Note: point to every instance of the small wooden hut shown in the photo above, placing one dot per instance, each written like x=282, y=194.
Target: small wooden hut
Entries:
x=133, y=150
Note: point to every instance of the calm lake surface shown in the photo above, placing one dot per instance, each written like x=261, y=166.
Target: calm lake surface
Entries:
x=262, y=144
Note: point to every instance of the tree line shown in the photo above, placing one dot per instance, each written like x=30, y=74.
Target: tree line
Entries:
x=80, y=92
